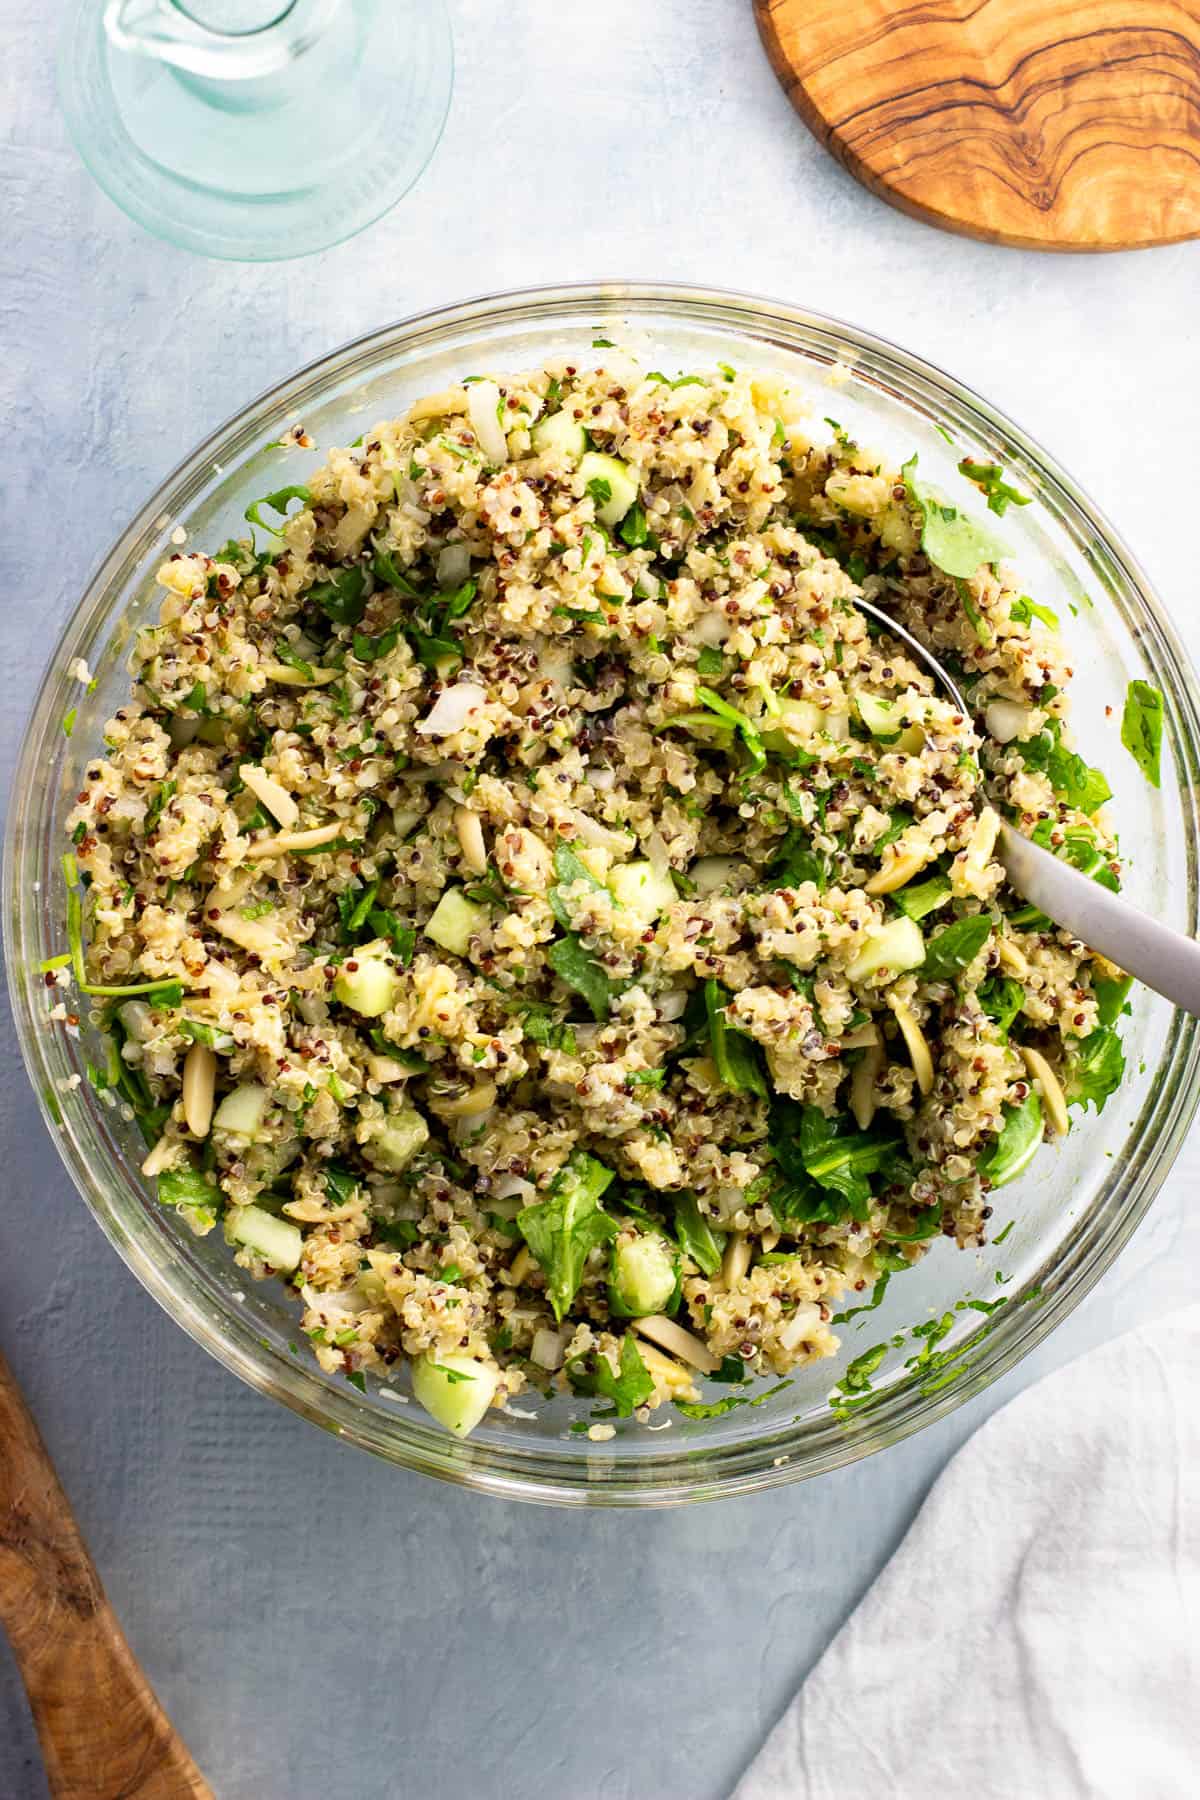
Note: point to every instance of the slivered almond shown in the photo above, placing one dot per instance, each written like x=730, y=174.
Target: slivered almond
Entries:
x=735, y=1261
x=159, y=1157
x=289, y=677
x=199, y=1081
x=918, y=1047
x=673, y=1338
x=667, y=1373
x=248, y=934
x=862, y=1085
x=900, y=870
x=276, y=799
x=1053, y=1099
x=1011, y=958
x=294, y=840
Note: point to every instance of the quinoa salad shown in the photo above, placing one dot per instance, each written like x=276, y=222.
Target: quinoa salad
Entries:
x=530, y=909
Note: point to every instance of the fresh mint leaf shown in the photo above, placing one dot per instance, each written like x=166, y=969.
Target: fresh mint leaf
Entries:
x=343, y=596
x=562, y=1230
x=1025, y=611
x=1002, y=999
x=579, y=969
x=1071, y=778
x=1142, y=729
x=633, y=529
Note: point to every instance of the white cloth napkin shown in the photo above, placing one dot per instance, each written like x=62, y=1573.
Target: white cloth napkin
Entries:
x=1037, y=1633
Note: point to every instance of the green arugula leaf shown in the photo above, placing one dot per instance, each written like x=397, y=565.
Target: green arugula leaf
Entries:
x=1142, y=729
x=562, y=1230
x=1112, y=998
x=923, y=898
x=1016, y=1145
x=949, y=951
x=1095, y=1068
x=989, y=479
x=952, y=540
x=632, y=1386
x=737, y=1057
x=696, y=1236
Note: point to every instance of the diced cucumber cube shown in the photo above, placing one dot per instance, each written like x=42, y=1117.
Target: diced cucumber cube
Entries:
x=455, y=920
x=620, y=480
x=642, y=1274
x=367, y=981
x=561, y=436
x=882, y=718
x=394, y=1140
x=277, y=1241
x=898, y=946
x=454, y=1390
x=241, y=1112
x=641, y=890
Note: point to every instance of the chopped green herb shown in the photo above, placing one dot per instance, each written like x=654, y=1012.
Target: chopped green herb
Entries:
x=989, y=479
x=278, y=502
x=737, y=1057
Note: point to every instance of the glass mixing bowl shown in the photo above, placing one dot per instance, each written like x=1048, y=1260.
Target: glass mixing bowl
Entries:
x=945, y=1330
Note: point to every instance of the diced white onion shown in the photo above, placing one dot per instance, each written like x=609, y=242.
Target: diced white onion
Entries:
x=483, y=398
x=547, y=1348
x=1006, y=720
x=656, y=851
x=802, y=1323
x=453, y=565
x=602, y=779
x=592, y=832
x=451, y=710
x=672, y=1006
x=513, y=1187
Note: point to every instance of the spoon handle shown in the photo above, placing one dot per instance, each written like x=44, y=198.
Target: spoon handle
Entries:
x=1164, y=959
x=102, y=1730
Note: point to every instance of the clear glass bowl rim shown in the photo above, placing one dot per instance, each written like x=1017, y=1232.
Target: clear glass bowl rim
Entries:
x=790, y=1453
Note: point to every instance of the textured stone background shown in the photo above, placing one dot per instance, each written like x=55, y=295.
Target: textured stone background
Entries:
x=317, y=1624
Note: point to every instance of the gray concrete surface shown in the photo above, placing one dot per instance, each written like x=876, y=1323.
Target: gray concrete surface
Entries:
x=315, y=1623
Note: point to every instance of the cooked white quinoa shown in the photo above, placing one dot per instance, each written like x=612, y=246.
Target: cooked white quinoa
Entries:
x=538, y=1016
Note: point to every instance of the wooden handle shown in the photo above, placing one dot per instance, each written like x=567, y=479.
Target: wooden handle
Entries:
x=102, y=1730
x=1053, y=124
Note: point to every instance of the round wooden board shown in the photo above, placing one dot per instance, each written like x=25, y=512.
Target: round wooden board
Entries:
x=1050, y=124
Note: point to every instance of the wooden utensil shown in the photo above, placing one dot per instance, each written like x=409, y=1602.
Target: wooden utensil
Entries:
x=1050, y=124
x=103, y=1732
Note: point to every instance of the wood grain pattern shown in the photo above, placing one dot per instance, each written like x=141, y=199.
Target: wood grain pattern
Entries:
x=1050, y=124
x=104, y=1735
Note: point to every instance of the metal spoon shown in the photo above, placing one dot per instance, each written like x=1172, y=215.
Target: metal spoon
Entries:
x=1164, y=959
